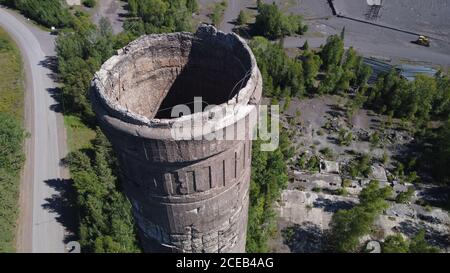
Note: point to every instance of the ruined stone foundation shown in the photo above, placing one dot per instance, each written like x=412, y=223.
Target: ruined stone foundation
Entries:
x=188, y=195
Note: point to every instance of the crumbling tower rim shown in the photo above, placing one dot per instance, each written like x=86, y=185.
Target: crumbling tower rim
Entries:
x=127, y=119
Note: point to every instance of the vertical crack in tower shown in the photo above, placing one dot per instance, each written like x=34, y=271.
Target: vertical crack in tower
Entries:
x=188, y=194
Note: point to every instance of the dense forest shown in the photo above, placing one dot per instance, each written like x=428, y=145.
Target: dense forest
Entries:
x=49, y=13
x=159, y=16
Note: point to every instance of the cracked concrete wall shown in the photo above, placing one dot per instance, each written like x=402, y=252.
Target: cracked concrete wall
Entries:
x=187, y=195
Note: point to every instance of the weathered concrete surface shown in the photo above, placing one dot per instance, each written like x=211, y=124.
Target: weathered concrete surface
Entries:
x=73, y=2
x=187, y=195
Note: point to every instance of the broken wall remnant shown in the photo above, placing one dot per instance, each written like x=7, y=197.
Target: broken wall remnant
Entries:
x=187, y=195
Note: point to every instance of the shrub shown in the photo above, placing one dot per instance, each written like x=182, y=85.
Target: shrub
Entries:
x=374, y=139
x=327, y=153
x=347, y=226
x=11, y=160
x=360, y=166
x=395, y=244
x=405, y=197
x=344, y=137
x=243, y=18
x=272, y=23
x=89, y=3
x=217, y=14
x=418, y=244
x=346, y=183
x=50, y=13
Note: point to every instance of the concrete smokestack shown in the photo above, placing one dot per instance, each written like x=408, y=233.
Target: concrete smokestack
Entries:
x=188, y=195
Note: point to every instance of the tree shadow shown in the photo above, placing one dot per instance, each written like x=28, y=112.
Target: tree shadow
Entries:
x=436, y=196
x=56, y=94
x=51, y=63
x=332, y=206
x=63, y=204
x=305, y=238
x=246, y=32
x=432, y=236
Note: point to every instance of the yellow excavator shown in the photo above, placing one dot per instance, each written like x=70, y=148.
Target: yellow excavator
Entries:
x=423, y=41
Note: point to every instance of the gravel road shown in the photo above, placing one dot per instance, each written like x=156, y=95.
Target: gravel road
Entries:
x=41, y=227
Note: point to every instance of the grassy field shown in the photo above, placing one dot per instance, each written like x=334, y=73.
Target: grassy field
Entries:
x=11, y=138
x=11, y=77
x=79, y=136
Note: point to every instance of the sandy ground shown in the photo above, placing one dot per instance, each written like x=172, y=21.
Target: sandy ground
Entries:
x=41, y=223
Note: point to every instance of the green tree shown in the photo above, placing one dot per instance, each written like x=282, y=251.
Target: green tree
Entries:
x=218, y=11
x=332, y=77
x=395, y=244
x=311, y=67
x=282, y=76
x=347, y=226
x=269, y=177
x=305, y=46
x=344, y=137
x=342, y=33
x=106, y=222
x=418, y=244
x=362, y=76
x=332, y=53
x=439, y=154
x=360, y=166
x=412, y=101
x=243, y=18
x=192, y=6
x=374, y=139
x=11, y=161
x=441, y=104
x=11, y=138
x=89, y=3
x=80, y=54
x=159, y=16
x=405, y=197
x=50, y=13
x=273, y=24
